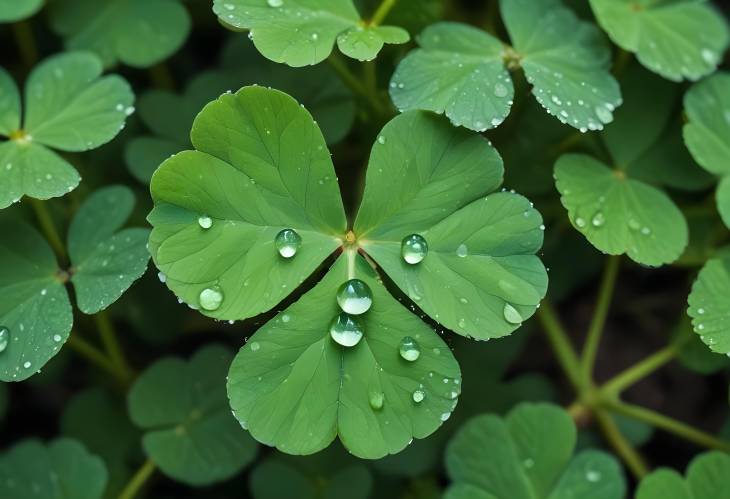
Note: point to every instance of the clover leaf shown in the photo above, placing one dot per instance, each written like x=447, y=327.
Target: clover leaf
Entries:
x=677, y=39
x=244, y=219
x=139, y=33
x=303, y=32
x=18, y=10
x=36, y=310
x=616, y=209
x=190, y=433
x=528, y=455
x=460, y=70
x=707, y=105
x=706, y=479
x=723, y=200
x=68, y=107
x=63, y=469
x=709, y=304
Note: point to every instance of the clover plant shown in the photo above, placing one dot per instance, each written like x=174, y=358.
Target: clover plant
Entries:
x=399, y=249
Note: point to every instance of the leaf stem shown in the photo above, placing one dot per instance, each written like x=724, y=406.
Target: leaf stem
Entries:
x=351, y=252
x=643, y=368
x=347, y=76
x=382, y=12
x=95, y=357
x=138, y=480
x=595, y=330
x=560, y=343
x=666, y=423
x=26, y=43
x=633, y=459
x=49, y=230
x=114, y=351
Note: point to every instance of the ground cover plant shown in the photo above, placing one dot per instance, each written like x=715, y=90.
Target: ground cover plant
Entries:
x=364, y=248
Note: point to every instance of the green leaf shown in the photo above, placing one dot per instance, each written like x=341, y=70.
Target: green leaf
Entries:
x=428, y=178
x=565, y=59
x=69, y=107
x=303, y=32
x=99, y=420
x=678, y=39
x=618, y=214
x=693, y=354
x=63, y=469
x=190, y=433
x=17, y=10
x=457, y=70
x=723, y=200
x=144, y=154
x=34, y=305
x=528, y=455
x=706, y=479
x=709, y=305
x=139, y=33
x=274, y=479
x=293, y=387
x=261, y=165
x=707, y=105
x=106, y=260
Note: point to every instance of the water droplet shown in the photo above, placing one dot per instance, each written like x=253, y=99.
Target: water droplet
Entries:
x=500, y=90
x=418, y=396
x=211, y=298
x=413, y=249
x=511, y=314
x=646, y=231
x=462, y=250
x=709, y=56
x=205, y=222
x=4, y=338
x=409, y=349
x=376, y=399
x=445, y=416
x=27, y=364
x=700, y=311
x=580, y=222
x=162, y=277
x=287, y=242
x=598, y=220
x=57, y=338
x=381, y=140
x=528, y=463
x=255, y=345
x=346, y=330
x=354, y=297
x=604, y=114
x=275, y=3
x=633, y=224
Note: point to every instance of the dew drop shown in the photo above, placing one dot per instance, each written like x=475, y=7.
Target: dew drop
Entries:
x=354, y=297
x=462, y=250
x=381, y=140
x=580, y=222
x=211, y=298
x=4, y=338
x=27, y=364
x=500, y=90
x=376, y=399
x=346, y=330
x=700, y=311
x=205, y=222
x=413, y=249
x=598, y=220
x=255, y=346
x=57, y=338
x=593, y=476
x=409, y=349
x=511, y=314
x=645, y=231
x=275, y=3
x=634, y=225
x=604, y=114
x=287, y=242
x=418, y=396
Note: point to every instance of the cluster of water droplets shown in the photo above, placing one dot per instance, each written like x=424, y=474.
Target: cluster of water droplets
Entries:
x=354, y=298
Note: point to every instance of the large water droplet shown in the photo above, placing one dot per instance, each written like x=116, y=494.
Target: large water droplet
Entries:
x=211, y=298
x=462, y=250
x=604, y=114
x=275, y=3
x=413, y=249
x=409, y=349
x=598, y=219
x=418, y=396
x=287, y=242
x=376, y=399
x=354, y=297
x=346, y=330
x=205, y=222
x=4, y=338
x=511, y=314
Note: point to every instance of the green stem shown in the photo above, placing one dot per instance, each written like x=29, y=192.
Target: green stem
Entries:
x=111, y=343
x=95, y=357
x=138, y=480
x=595, y=330
x=633, y=459
x=560, y=343
x=347, y=76
x=49, y=229
x=382, y=12
x=666, y=423
x=640, y=370
x=26, y=43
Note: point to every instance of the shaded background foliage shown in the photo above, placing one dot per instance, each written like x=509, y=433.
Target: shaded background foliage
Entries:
x=74, y=399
